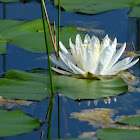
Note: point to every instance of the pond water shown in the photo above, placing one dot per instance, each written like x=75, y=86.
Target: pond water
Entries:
x=62, y=123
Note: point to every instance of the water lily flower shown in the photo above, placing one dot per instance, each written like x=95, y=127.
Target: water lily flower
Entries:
x=98, y=58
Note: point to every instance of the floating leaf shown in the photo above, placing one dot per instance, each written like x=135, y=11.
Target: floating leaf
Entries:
x=89, y=89
x=16, y=122
x=23, y=85
x=118, y=134
x=129, y=132
x=133, y=120
x=9, y=0
x=99, y=6
x=71, y=139
x=29, y=35
x=135, y=12
x=35, y=86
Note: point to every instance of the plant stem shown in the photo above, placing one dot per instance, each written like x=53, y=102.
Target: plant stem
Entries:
x=47, y=48
x=59, y=116
x=4, y=55
x=50, y=116
x=49, y=26
x=54, y=34
x=4, y=10
x=4, y=62
x=58, y=24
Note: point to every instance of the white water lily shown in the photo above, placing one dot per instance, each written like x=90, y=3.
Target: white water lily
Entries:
x=92, y=56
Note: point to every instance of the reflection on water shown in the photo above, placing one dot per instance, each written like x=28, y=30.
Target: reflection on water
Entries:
x=98, y=117
x=106, y=100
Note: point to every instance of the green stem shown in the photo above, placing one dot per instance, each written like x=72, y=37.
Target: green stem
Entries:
x=50, y=117
x=4, y=55
x=58, y=24
x=58, y=116
x=4, y=10
x=4, y=62
x=47, y=48
x=138, y=33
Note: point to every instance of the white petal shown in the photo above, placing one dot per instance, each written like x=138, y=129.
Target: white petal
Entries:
x=125, y=67
x=114, y=44
x=73, y=50
x=105, y=42
x=130, y=64
x=65, y=51
x=118, y=66
x=109, y=54
x=61, y=71
x=80, y=51
x=116, y=56
x=88, y=59
x=87, y=39
x=75, y=69
x=95, y=46
x=78, y=41
x=99, y=67
x=60, y=63
x=105, y=57
x=70, y=64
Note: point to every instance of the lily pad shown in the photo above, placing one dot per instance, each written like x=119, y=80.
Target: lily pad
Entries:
x=133, y=120
x=135, y=12
x=98, y=6
x=9, y=0
x=16, y=122
x=35, y=86
x=122, y=134
x=118, y=134
x=89, y=89
x=23, y=85
x=29, y=35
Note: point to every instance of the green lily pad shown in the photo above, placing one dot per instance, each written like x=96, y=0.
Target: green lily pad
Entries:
x=121, y=134
x=35, y=86
x=30, y=36
x=71, y=139
x=89, y=89
x=133, y=120
x=135, y=12
x=118, y=134
x=23, y=85
x=16, y=122
x=98, y=6
x=9, y=0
